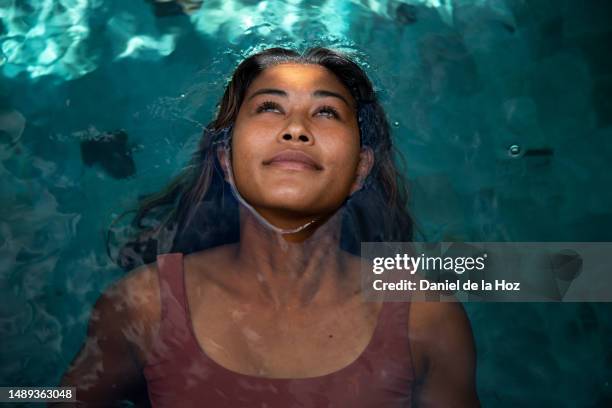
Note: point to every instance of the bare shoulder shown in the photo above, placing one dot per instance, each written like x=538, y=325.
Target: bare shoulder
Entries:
x=131, y=309
x=444, y=355
x=137, y=292
x=108, y=366
x=431, y=318
x=437, y=330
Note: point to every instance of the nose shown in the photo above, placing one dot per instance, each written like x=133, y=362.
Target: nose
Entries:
x=297, y=133
x=301, y=138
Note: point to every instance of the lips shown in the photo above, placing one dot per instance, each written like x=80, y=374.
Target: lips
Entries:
x=294, y=159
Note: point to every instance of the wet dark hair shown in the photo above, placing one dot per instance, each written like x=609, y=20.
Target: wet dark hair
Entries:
x=197, y=210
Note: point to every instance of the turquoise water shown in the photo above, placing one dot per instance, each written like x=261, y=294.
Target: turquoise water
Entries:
x=500, y=108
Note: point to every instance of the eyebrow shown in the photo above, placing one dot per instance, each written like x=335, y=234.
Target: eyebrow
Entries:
x=319, y=93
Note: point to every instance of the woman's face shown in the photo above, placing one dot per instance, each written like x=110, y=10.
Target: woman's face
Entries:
x=295, y=144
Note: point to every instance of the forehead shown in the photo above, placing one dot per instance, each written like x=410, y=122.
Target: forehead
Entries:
x=299, y=77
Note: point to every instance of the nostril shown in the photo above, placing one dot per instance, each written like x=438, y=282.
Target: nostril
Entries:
x=303, y=138
x=287, y=136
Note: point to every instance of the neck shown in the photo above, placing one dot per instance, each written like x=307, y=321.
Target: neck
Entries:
x=291, y=271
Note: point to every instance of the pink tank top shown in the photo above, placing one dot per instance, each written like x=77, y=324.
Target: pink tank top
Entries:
x=180, y=374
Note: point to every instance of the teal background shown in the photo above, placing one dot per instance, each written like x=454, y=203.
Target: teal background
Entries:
x=462, y=81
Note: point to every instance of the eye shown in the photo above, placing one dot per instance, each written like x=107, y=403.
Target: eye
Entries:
x=329, y=112
x=268, y=106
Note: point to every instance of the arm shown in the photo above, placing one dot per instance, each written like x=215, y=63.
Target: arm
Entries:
x=443, y=337
x=106, y=370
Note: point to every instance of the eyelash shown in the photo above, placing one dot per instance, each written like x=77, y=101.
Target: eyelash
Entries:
x=273, y=105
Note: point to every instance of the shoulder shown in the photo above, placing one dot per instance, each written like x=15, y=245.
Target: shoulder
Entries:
x=137, y=290
x=445, y=355
x=131, y=305
x=432, y=319
x=108, y=365
x=438, y=330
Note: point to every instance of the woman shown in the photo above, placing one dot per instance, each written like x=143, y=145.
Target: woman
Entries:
x=257, y=300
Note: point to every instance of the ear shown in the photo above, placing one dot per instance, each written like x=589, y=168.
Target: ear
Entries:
x=366, y=161
x=221, y=156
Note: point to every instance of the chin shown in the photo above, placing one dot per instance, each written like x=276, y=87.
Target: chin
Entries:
x=291, y=198
x=301, y=206
x=288, y=194
x=293, y=204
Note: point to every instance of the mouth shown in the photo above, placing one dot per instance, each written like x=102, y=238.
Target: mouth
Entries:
x=293, y=160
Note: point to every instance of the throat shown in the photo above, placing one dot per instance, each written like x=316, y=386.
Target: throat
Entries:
x=292, y=274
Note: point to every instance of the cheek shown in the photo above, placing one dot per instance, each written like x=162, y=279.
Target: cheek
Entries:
x=243, y=159
x=249, y=145
x=344, y=156
x=246, y=141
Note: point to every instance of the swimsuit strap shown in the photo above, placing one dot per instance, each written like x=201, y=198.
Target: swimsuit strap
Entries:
x=174, y=327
